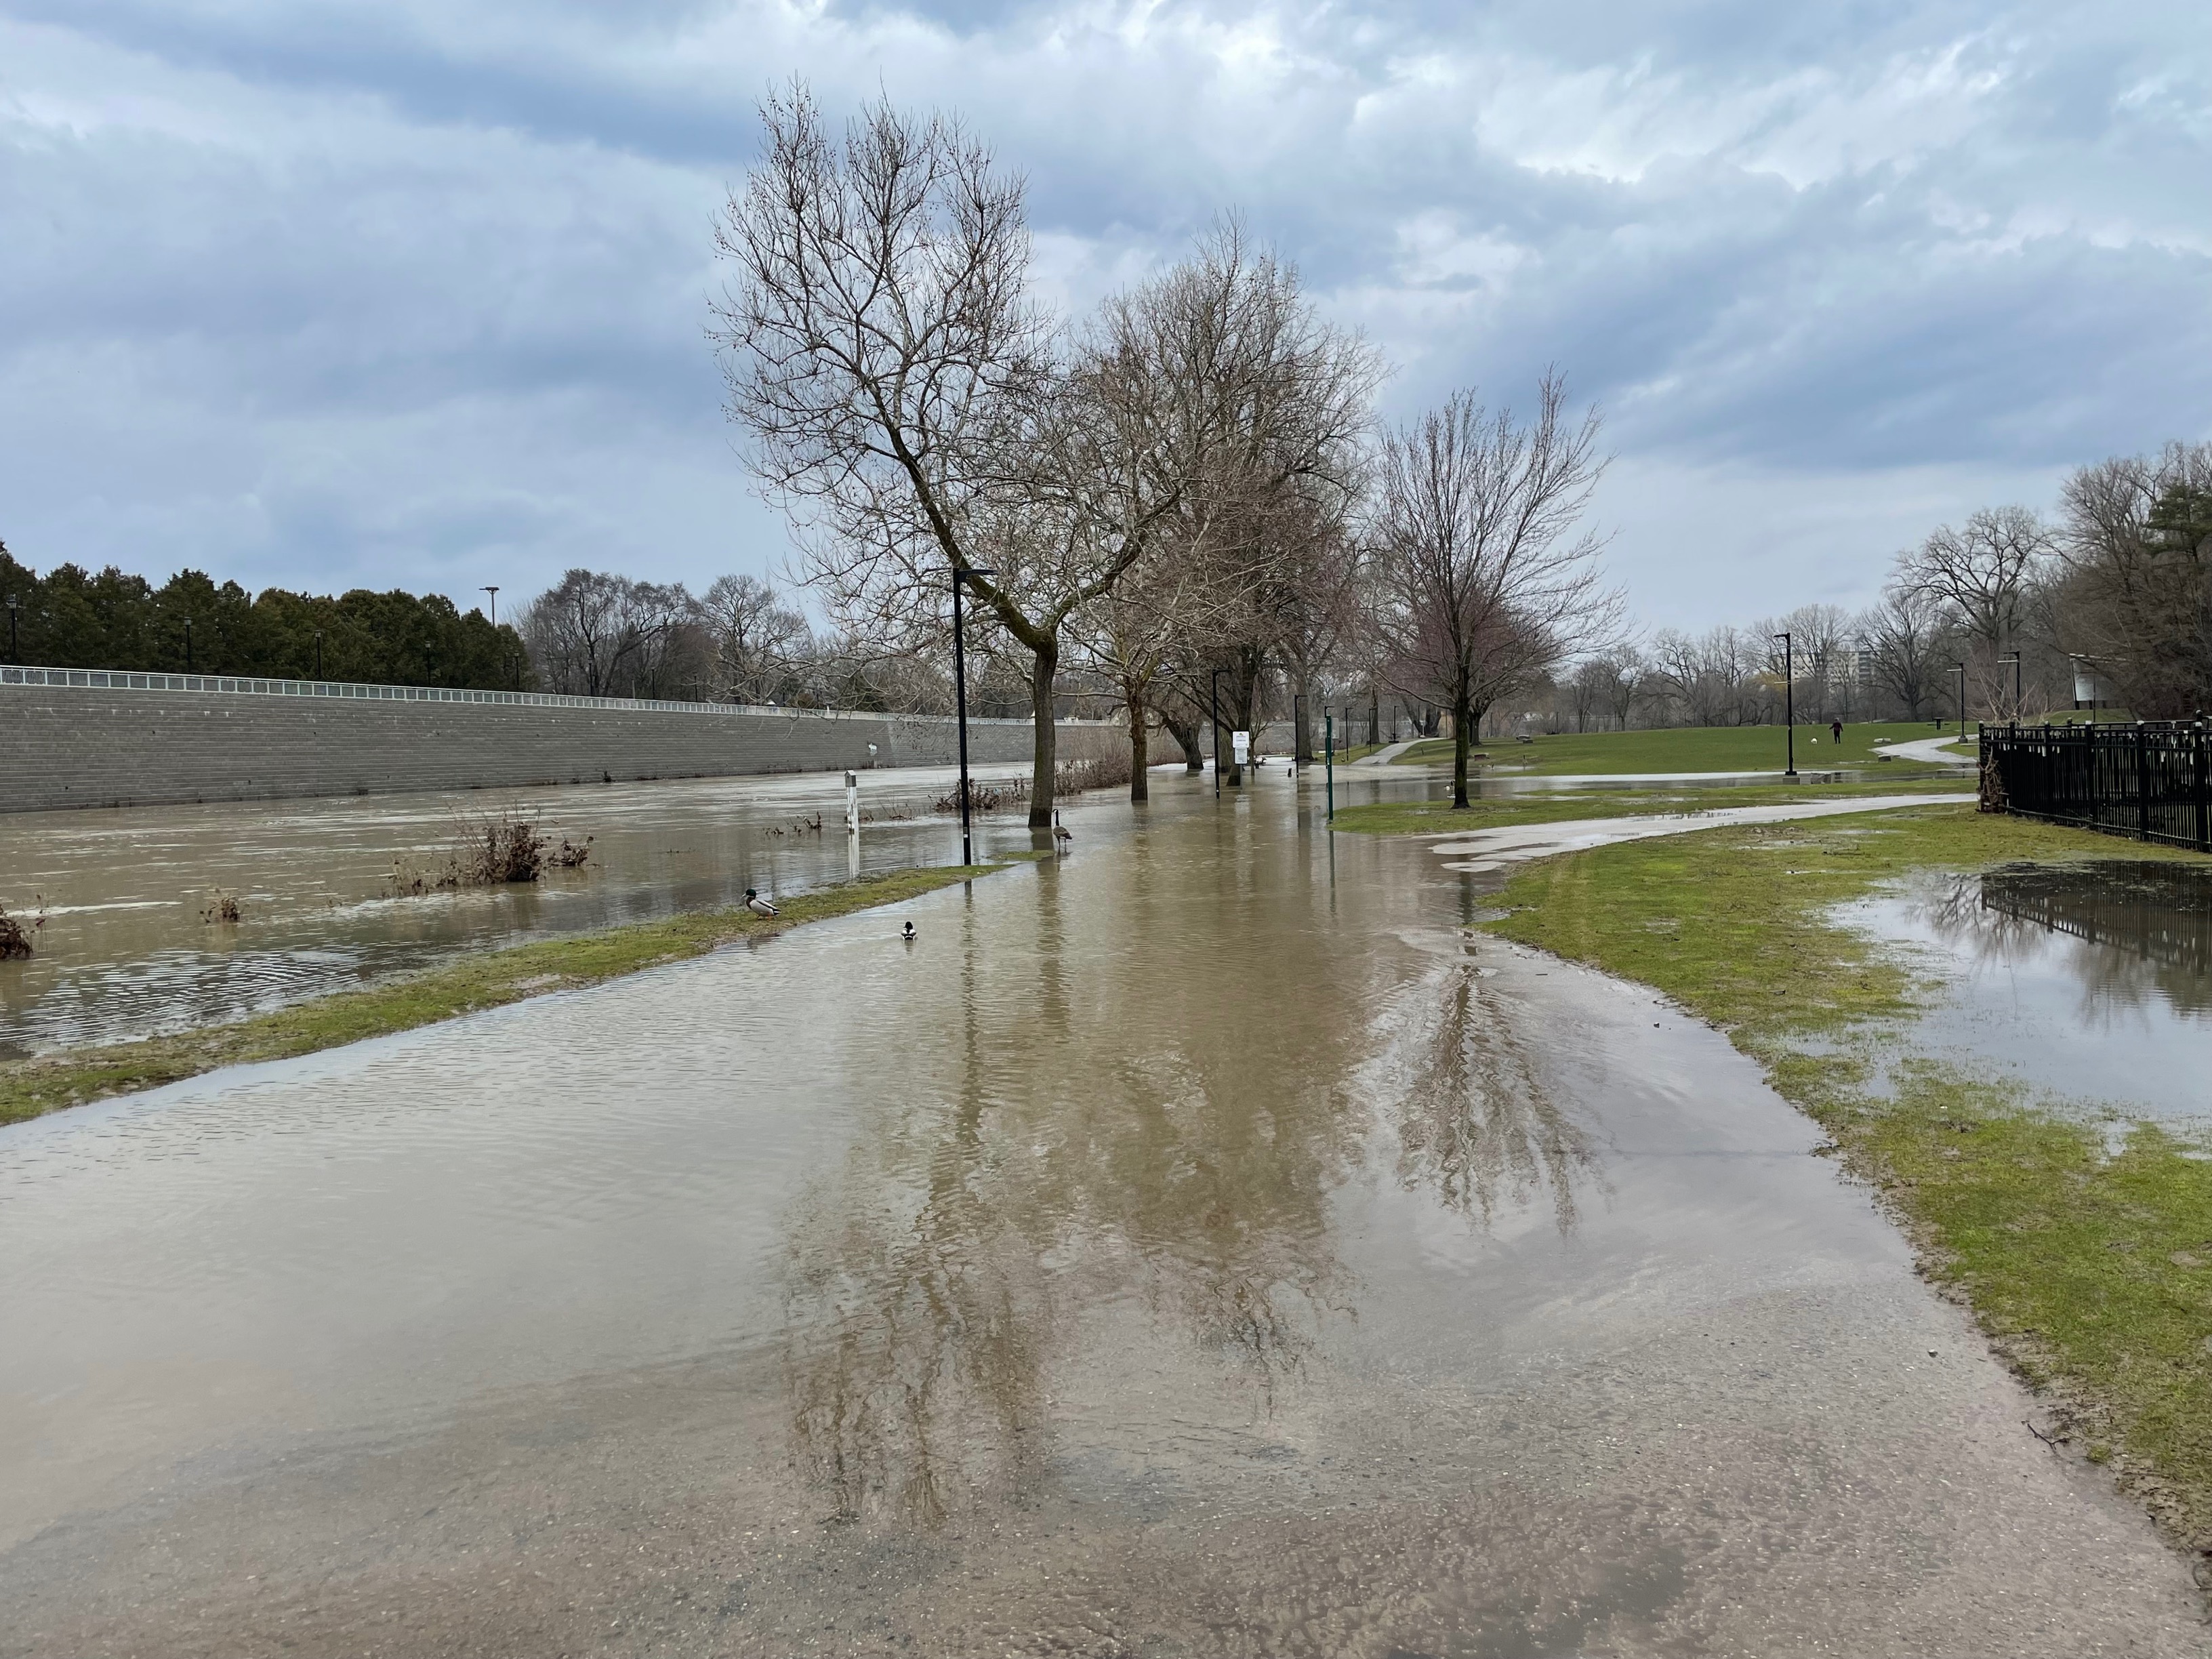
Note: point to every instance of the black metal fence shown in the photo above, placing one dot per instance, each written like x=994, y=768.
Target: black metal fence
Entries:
x=2152, y=779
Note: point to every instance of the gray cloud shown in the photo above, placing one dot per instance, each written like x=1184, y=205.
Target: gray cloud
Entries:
x=409, y=293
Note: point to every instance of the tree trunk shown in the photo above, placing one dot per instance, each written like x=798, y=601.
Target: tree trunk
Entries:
x=1042, y=675
x=1302, y=749
x=1462, y=726
x=1139, y=790
x=1185, y=732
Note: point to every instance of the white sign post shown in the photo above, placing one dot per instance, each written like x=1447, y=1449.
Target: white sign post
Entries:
x=1242, y=741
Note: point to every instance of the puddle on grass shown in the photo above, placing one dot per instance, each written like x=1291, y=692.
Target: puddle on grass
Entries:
x=2089, y=983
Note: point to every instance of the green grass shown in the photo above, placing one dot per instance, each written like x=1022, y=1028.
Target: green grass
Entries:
x=2092, y=1273
x=47, y=1083
x=1439, y=817
x=1682, y=748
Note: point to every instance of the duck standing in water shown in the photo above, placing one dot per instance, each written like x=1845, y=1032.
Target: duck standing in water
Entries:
x=757, y=905
x=907, y=933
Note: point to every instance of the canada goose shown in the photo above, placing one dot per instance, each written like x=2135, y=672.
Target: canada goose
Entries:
x=907, y=933
x=757, y=905
x=1061, y=833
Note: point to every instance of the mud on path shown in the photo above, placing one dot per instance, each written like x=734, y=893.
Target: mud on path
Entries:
x=1201, y=1245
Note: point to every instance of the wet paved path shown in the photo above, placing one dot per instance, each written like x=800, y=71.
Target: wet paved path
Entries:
x=1926, y=751
x=1199, y=1246
x=1483, y=850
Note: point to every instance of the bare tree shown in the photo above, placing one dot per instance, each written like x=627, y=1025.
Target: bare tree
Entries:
x=879, y=344
x=1625, y=668
x=1905, y=633
x=756, y=639
x=2137, y=595
x=595, y=634
x=1483, y=578
x=1983, y=572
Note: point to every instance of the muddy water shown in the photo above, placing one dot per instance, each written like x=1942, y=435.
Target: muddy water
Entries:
x=2092, y=983
x=1199, y=1244
x=129, y=949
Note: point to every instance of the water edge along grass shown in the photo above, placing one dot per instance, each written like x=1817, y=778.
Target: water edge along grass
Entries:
x=1681, y=748
x=46, y=1083
x=2087, y=1262
x=1440, y=817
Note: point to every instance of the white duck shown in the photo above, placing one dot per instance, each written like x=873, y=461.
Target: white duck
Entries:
x=757, y=905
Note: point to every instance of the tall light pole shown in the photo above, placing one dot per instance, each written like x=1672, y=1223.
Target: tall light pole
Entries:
x=960, y=702
x=1959, y=669
x=2013, y=657
x=319, y=653
x=1789, y=701
x=1216, y=688
x=14, y=651
x=188, y=645
x=494, y=592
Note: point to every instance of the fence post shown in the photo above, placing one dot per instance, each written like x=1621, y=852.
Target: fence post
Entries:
x=2204, y=789
x=2143, y=782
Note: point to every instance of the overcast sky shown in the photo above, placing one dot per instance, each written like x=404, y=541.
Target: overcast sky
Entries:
x=328, y=293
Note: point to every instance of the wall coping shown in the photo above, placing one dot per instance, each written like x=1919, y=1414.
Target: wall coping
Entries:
x=118, y=679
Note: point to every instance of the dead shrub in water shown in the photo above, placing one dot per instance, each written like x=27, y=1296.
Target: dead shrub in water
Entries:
x=225, y=908
x=494, y=850
x=1068, y=778
x=14, y=939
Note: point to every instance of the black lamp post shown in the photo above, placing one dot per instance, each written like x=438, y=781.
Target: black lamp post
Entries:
x=960, y=702
x=14, y=651
x=319, y=653
x=1959, y=669
x=1217, y=731
x=494, y=592
x=1789, y=701
x=188, y=645
x=2013, y=657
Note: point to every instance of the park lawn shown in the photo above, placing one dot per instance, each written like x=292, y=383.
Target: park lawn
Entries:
x=1440, y=817
x=47, y=1083
x=1682, y=748
x=2090, y=1272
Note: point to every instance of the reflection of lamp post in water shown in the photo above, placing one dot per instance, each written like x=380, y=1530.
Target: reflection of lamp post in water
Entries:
x=1215, y=686
x=960, y=702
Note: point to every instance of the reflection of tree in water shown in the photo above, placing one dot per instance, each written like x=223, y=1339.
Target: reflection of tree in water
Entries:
x=1475, y=1123
x=1145, y=1138
x=2148, y=925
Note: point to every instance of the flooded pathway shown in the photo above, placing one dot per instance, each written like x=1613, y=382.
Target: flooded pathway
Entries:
x=1199, y=1245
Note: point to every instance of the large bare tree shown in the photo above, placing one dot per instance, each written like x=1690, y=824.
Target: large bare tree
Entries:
x=1484, y=576
x=2137, y=595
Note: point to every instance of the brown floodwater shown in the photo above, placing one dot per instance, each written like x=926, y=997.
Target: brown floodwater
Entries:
x=1201, y=1244
x=129, y=948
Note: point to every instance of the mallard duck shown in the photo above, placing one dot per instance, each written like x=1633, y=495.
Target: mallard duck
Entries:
x=757, y=905
x=907, y=933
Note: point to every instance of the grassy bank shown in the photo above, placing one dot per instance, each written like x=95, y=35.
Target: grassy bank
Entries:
x=2092, y=1273
x=1437, y=817
x=1683, y=748
x=47, y=1083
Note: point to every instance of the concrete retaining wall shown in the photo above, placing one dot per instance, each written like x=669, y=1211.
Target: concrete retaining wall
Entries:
x=75, y=738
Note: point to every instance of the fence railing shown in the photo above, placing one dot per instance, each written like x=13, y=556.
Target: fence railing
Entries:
x=2151, y=780
x=117, y=679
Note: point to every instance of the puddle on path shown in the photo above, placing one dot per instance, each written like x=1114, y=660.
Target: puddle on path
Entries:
x=2093, y=982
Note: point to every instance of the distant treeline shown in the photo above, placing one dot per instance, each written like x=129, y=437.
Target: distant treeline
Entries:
x=71, y=618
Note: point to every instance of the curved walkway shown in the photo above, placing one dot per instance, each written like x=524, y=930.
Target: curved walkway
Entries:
x=1491, y=849
x=1925, y=750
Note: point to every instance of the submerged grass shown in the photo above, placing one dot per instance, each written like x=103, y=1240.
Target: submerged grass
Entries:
x=1439, y=817
x=46, y=1083
x=2090, y=1270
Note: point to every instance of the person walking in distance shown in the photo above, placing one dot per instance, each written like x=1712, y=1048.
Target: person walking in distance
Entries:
x=1837, y=728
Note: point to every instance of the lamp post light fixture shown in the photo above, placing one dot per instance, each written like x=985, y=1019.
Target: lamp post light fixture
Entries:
x=1789, y=701
x=494, y=592
x=962, y=573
